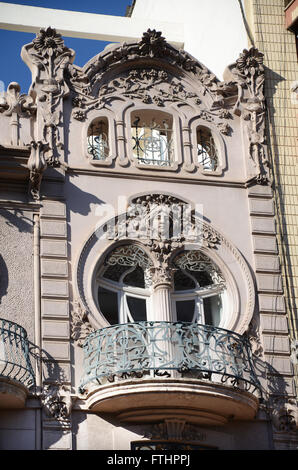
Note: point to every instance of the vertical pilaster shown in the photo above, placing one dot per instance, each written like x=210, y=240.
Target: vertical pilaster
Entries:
x=273, y=321
x=55, y=328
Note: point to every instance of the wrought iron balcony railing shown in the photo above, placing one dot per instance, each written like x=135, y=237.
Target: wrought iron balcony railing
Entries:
x=15, y=361
x=168, y=349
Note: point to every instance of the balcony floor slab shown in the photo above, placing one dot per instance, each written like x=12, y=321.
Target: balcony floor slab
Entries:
x=153, y=400
x=12, y=394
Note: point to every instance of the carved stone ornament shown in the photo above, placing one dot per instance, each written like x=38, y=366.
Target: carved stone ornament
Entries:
x=37, y=165
x=57, y=402
x=253, y=335
x=93, y=87
x=175, y=429
x=80, y=326
x=16, y=105
x=14, y=102
x=163, y=224
x=249, y=76
x=48, y=58
x=284, y=415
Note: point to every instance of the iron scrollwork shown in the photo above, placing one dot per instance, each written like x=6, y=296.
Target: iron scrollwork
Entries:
x=158, y=348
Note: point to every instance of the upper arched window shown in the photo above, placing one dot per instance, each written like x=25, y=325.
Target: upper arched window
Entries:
x=98, y=139
x=207, y=151
x=152, y=137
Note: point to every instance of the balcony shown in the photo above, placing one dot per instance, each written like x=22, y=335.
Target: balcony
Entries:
x=151, y=371
x=16, y=373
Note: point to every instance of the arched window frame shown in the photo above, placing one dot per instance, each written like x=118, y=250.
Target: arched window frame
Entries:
x=227, y=293
x=119, y=287
x=93, y=116
x=176, y=136
x=234, y=268
x=219, y=142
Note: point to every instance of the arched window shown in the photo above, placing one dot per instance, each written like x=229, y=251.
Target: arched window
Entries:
x=199, y=289
x=97, y=139
x=207, y=150
x=122, y=288
x=152, y=137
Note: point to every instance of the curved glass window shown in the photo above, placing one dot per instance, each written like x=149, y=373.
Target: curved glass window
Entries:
x=124, y=289
x=97, y=139
x=122, y=285
x=152, y=137
x=198, y=289
x=206, y=149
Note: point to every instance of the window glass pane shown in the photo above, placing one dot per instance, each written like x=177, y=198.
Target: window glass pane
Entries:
x=108, y=304
x=97, y=141
x=207, y=151
x=152, y=137
x=203, y=278
x=137, y=308
x=182, y=281
x=114, y=272
x=185, y=310
x=212, y=310
x=135, y=278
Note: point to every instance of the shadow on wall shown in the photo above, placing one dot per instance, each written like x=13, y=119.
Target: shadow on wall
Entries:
x=16, y=218
x=3, y=278
x=80, y=201
x=275, y=150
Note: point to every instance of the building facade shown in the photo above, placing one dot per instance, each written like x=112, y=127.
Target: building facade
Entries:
x=141, y=289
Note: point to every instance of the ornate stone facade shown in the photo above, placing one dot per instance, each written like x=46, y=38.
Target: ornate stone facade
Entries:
x=150, y=217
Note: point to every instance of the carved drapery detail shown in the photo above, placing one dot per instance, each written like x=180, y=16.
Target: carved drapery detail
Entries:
x=249, y=75
x=47, y=57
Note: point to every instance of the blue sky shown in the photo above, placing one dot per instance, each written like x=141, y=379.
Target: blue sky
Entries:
x=13, y=69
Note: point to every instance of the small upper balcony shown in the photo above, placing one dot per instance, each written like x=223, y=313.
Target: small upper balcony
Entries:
x=16, y=373
x=151, y=371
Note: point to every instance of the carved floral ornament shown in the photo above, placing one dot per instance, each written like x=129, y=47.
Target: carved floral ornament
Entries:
x=250, y=77
x=48, y=59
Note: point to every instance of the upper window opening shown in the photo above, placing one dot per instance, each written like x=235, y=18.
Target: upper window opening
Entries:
x=152, y=137
x=97, y=139
x=207, y=150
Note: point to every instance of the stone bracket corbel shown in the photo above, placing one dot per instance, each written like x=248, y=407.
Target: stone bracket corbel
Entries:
x=36, y=165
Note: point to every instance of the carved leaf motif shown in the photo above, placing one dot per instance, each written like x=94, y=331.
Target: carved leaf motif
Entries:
x=80, y=326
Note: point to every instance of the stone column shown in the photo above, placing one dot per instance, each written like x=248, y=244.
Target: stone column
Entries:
x=162, y=312
x=162, y=302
